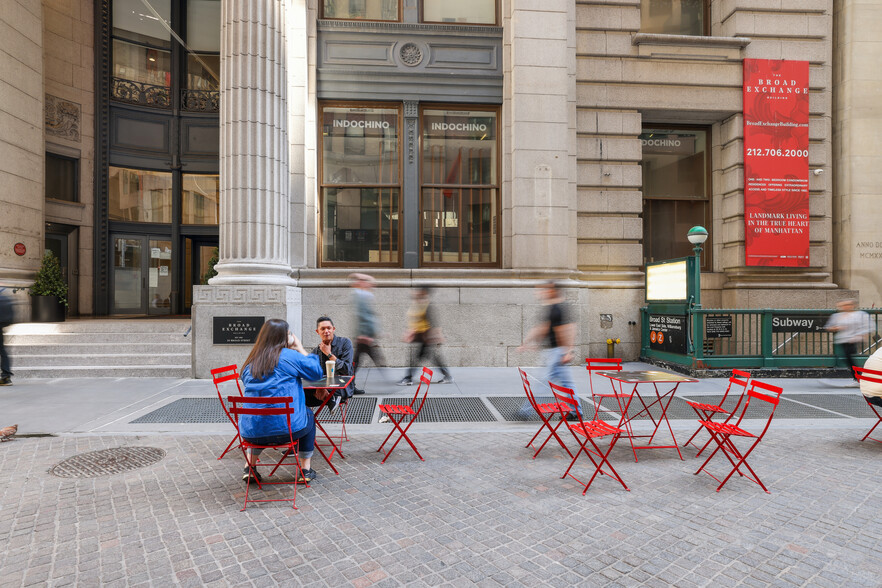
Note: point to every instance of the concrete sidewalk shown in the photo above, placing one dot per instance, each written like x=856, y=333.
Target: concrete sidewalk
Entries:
x=478, y=511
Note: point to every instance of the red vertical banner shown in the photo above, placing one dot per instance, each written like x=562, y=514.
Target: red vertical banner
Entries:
x=776, y=170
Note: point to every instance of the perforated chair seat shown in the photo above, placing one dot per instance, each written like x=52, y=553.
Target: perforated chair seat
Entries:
x=396, y=409
x=549, y=408
x=594, y=429
x=726, y=429
x=707, y=407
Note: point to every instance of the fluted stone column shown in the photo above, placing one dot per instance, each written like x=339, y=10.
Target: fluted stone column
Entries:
x=254, y=145
x=257, y=188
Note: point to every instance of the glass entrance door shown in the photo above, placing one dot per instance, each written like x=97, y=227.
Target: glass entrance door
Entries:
x=198, y=252
x=141, y=278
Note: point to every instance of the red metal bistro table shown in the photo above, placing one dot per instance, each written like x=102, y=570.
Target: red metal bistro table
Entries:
x=629, y=388
x=330, y=384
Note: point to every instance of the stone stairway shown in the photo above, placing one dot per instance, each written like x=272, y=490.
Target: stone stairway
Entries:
x=105, y=348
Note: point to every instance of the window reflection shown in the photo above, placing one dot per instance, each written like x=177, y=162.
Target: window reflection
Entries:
x=139, y=196
x=361, y=9
x=460, y=11
x=133, y=20
x=141, y=64
x=673, y=17
x=200, y=203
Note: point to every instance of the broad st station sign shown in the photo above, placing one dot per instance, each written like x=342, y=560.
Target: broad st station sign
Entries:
x=667, y=332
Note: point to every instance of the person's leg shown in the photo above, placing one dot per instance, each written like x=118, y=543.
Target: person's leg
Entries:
x=850, y=350
x=559, y=374
x=306, y=445
x=440, y=361
x=5, y=364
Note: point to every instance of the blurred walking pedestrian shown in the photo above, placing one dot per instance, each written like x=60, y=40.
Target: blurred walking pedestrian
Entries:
x=7, y=313
x=367, y=328
x=423, y=332
x=558, y=333
x=849, y=327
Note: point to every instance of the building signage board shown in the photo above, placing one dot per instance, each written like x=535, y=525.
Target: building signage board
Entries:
x=803, y=323
x=668, y=281
x=236, y=330
x=776, y=171
x=717, y=327
x=667, y=332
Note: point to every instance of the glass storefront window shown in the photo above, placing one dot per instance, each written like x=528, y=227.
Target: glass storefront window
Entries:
x=200, y=201
x=460, y=11
x=139, y=196
x=141, y=64
x=203, y=71
x=674, y=163
x=361, y=188
x=673, y=17
x=133, y=20
x=360, y=9
x=676, y=190
x=459, y=195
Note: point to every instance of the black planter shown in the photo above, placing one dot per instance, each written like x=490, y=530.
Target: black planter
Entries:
x=46, y=309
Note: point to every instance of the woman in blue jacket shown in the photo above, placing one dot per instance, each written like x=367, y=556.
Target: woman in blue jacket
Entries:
x=274, y=367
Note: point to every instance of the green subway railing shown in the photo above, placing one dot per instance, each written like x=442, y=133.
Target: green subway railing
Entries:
x=756, y=338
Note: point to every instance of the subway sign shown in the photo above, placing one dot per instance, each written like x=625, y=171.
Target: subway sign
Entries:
x=798, y=323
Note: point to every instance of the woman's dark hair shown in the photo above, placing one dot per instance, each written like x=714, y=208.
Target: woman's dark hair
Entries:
x=264, y=356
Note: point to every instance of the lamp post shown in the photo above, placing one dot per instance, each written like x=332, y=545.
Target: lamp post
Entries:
x=697, y=235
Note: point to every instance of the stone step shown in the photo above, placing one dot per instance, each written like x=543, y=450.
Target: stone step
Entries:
x=94, y=338
x=84, y=348
x=104, y=359
x=106, y=371
x=102, y=326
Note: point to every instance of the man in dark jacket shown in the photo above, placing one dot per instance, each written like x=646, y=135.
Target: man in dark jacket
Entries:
x=338, y=349
x=6, y=316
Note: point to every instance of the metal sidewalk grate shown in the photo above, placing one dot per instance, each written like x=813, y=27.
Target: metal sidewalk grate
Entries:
x=186, y=410
x=449, y=409
x=208, y=410
x=678, y=409
x=360, y=411
x=852, y=405
x=517, y=409
x=786, y=410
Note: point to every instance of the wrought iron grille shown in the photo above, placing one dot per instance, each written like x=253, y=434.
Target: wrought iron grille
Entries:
x=200, y=100
x=140, y=93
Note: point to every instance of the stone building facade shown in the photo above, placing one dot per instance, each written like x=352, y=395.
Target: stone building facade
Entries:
x=475, y=147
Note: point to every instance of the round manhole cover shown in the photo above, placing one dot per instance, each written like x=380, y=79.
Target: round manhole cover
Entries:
x=107, y=461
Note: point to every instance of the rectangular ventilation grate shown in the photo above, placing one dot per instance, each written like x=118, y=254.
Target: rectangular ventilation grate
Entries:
x=208, y=410
x=517, y=409
x=449, y=409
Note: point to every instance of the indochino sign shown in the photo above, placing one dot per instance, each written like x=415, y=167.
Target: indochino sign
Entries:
x=776, y=170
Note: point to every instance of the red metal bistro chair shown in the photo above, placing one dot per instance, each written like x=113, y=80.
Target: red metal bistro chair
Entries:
x=724, y=434
x=219, y=376
x=706, y=412
x=585, y=433
x=268, y=406
x=545, y=412
x=604, y=365
x=398, y=413
x=874, y=376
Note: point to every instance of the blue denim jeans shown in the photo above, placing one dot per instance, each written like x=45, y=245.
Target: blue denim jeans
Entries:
x=306, y=436
x=558, y=373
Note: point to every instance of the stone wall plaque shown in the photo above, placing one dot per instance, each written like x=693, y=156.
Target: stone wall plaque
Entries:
x=236, y=330
x=62, y=118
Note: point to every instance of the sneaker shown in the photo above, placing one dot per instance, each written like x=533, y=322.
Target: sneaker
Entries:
x=571, y=416
x=5, y=381
x=405, y=382
x=248, y=477
x=333, y=403
x=385, y=419
x=307, y=476
x=357, y=391
x=446, y=380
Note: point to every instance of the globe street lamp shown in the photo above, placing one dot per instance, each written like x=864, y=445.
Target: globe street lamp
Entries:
x=697, y=235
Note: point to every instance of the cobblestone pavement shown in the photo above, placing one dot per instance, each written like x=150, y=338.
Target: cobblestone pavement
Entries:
x=478, y=511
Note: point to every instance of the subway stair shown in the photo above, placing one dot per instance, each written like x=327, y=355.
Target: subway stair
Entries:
x=104, y=348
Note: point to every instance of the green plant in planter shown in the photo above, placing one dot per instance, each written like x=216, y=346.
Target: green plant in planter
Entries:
x=50, y=280
x=211, y=272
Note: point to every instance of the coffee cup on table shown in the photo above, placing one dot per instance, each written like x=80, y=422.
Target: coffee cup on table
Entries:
x=330, y=365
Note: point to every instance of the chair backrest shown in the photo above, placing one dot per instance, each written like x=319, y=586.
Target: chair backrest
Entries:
x=425, y=380
x=594, y=364
x=865, y=374
x=528, y=390
x=269, y=406
x=566, y=399
x=739, y=379
x=761, y=392
x=225, y=374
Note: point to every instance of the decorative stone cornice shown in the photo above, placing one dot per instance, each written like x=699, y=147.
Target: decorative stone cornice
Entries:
x=373, y=26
